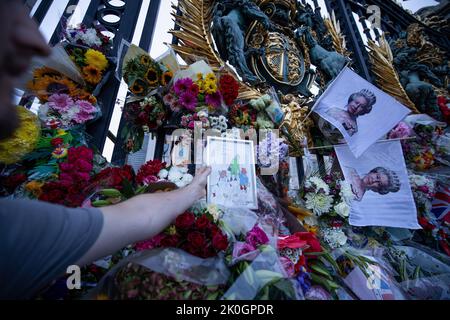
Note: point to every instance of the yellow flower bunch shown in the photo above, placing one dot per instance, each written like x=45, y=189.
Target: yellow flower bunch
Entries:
x=23, y=140
x=96, y=59
x=210, y=84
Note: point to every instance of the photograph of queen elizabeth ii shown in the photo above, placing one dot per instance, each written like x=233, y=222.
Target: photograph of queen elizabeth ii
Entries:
x=360, y=111
x=379, y=181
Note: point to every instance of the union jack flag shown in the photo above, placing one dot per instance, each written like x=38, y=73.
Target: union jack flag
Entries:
x=441, y=204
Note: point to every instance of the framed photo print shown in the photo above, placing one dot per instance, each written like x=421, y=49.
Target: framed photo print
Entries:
x=232, y=182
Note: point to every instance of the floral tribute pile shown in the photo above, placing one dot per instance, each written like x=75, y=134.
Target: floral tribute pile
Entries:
x=297, y=245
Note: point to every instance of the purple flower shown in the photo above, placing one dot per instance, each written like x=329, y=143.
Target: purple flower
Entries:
x=214, y=99
x=82, y=117
x=85, y=107
x=257, y=237
x=60, y=102
x=182, y=85
x=188, y=101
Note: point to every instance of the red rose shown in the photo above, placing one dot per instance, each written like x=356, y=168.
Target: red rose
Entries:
x=56, y=142
x=189, y=248
x=185, y=220
x=196, y=239
x=214, y=229
x=151, y=168
x=220, y=241
x=170, y=241
x=202, y=223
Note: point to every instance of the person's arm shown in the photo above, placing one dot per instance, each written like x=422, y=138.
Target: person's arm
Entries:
x=143, y=217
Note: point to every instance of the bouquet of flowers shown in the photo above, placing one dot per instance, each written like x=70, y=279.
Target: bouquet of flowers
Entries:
x=47, y=82
x=92, y=63
x=24, y=139
x=329, y=196
x=196, y=231
x=187, y=95
x=88, y=37
x=61, y=111
x=242, y=116
x=423, y=191
x=74, y=174
x=135, y=282
x=141, y=117
x=143, y=74
x=188, y=121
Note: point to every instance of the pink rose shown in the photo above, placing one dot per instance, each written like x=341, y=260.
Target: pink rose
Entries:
x=402, y=130
x=244, y=251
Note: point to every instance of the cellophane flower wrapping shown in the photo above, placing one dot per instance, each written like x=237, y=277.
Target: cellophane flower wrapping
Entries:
x=171, y=271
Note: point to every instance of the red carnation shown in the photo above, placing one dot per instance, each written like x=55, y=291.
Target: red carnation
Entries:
x=196, y=239
x=151, y=168
x=220, y=241
x=185, y=220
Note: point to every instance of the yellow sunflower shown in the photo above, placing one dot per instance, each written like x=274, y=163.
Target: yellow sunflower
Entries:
x=137, y=87
x=145, y=60
x=152, y=77
x=23, y=140
x=39, y=73
x=91, y=74
x=46, y=86
x=166, y=77
x=96, y=58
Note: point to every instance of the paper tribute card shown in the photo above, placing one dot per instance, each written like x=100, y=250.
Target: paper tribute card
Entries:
x=360, y=111
x=232, y=182
x=380, y=185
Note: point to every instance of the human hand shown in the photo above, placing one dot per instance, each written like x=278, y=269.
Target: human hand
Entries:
x=198, y=185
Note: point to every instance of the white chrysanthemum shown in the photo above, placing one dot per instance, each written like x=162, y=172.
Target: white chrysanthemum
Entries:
x=175, y=175
x=346, y=192
x=319, y=203
x=319, y=184
x=163, y=174
x=335, y=238
x=342, y=209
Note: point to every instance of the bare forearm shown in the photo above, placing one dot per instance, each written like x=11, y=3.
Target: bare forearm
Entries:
x=137, y=219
